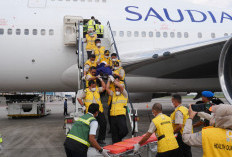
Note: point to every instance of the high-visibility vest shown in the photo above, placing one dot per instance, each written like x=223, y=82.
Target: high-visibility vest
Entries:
x=103, y=59
x=87, y=82
x=89, y=99
x=0, y=138
x=91, y=24
x=99, y=51
x=97, y=28
x=88, y=62
x=101, y=29
x=118, y=72
x=112, y=62
x=85, y=28
x=119, y=104
x=165, y=132
x=91, y=42
x=112, y=88
x=216, y=142
x=80, y=129
x=184, y=111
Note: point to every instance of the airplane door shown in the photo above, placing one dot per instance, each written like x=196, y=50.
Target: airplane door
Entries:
x=37, y=3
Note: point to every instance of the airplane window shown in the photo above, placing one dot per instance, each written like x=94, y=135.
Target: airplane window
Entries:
x=96, y=0
x=129, y=33
x=158, y=34
x=34, y=31
x=90, y=0
x=9, y=31
x=150, y=34
x=165, y=34
x=213, y=35
x=114, y=33
x=143, y=34
x=121, y=34
x=226, y=34
x=51, y=32
x=43, y=32
x=18, y=31
x=82, y=0
x=179, y=35
x=136, y=34
x=186, y=35
x=1, y=31
x=172, y=35
x=74, y=0
x=26, y=31
x=104, y=1
x=199, y=35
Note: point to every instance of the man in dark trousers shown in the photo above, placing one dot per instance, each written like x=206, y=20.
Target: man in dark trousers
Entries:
x=65, y=107
x=83, y=134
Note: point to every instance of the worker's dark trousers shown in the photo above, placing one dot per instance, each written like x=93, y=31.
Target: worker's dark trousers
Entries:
x=185, y=150
x=102, y=123
x=118, y=128
x=89, y=54
x=171, y=153
x=109, y=117
x=100, y=35
x=65, y=111
x=71, y=153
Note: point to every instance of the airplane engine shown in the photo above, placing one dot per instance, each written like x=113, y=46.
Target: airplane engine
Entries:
x=225, y=70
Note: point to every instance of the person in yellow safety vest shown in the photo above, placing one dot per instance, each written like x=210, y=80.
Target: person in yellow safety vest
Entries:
x=113, y=59
x=161, y=125
x=92, y=95
x=92, y=62
x=101, y=35
x=112, y=88
x=119, y=71
x=90, y=39
x=105, y=58
x=91, y=76
x=214, y=140
x=179, y=117
x=97, y=29
x=0, y=142
x=83, y=133
x=91, y=23
x=99, y=49
x=118, y=110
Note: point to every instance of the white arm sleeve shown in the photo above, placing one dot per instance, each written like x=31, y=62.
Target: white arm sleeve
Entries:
x=93, y=128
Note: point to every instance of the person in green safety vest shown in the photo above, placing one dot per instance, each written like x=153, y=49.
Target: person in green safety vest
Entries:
x=85, y=29
x=82, y=134
x=97, y=29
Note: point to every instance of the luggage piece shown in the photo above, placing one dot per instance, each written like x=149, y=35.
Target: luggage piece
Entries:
x=127, y=145
x=115, y=149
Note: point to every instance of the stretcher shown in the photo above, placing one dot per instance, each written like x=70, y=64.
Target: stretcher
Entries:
x=126, y=147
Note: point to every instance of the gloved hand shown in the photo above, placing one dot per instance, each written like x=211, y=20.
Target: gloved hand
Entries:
x=99, y=77
x=105, y=153
x=136, y=147
x=83, y=78
x=111, y=78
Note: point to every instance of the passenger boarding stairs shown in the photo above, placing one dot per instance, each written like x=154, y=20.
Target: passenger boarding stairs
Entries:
x=109, y=43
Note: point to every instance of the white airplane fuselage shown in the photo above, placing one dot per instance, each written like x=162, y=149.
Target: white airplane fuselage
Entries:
x=43, y=63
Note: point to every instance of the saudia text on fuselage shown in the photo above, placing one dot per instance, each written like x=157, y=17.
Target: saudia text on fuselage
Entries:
x=195, y=16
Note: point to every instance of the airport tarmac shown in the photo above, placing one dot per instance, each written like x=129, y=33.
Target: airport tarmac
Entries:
x=44, y=137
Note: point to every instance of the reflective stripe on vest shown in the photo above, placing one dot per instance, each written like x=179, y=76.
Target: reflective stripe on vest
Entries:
x=118, y=105
x=97, y=28
x=164, y=129
x=79, y=140
x=184, y=111
x=216, y=142
x=85, y=121
x=102, y=29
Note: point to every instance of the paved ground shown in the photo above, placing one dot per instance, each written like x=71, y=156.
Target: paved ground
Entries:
x=44, y=137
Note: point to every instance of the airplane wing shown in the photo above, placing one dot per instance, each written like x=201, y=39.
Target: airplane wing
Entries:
x=197, y=60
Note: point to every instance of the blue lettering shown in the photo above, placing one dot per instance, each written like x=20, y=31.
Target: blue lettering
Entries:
x=212, y=16
x=225, y=16
x=168, y=17
x=155, y=14
x=133, y=12
x=192, y=17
